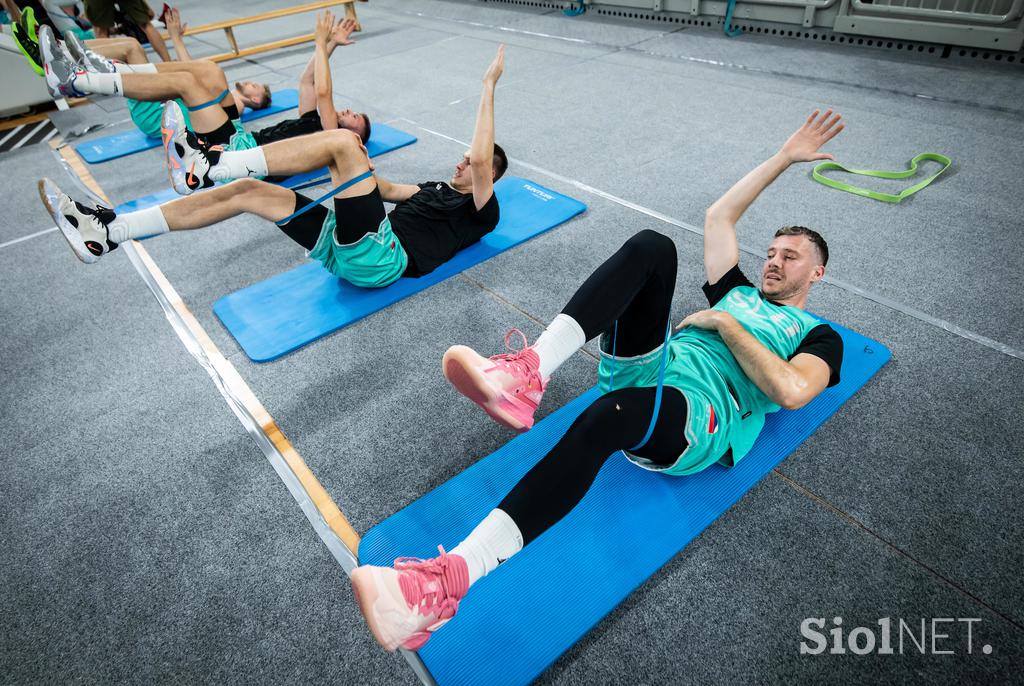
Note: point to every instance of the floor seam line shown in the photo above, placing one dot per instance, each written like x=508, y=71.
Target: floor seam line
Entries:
x=850, y=519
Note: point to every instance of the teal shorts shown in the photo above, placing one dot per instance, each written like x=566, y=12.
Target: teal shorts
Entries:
x=148, y=115
x=706, y=439
x=242, y=140
x=374, y=261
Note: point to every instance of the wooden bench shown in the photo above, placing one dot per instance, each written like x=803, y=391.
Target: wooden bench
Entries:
x=228, y=28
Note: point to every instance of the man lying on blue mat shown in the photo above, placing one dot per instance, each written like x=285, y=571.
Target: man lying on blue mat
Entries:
x=675, y=404
x=200, y=88
x=357, y=240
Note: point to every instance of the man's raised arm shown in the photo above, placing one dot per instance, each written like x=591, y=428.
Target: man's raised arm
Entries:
x=309, y=93
x=481, y=151
x=721, y=249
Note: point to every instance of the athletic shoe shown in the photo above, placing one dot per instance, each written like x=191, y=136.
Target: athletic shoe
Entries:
x=188, y=157
x=86, y=58
x=85, y=228
x=508, y=387
x=404, y=605
x=60, y=67
x=24, y=34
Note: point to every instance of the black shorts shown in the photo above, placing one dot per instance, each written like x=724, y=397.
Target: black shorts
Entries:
x=353, y=217
x=101, y=12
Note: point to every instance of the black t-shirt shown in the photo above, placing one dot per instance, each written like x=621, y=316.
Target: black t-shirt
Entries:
x=822, y=341
x=437, y=222
x=289, y=128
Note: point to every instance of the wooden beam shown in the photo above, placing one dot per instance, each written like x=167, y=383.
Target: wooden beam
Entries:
x=265, y=16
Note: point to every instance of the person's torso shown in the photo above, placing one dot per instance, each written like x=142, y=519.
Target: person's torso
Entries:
x=437, y=222
x=289, y=128
x=703, y=358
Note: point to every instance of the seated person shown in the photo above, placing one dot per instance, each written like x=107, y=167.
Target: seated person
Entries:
x=753, y=352
x=357, y=240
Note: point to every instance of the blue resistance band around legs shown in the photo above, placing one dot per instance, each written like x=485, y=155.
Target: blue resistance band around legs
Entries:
x=329, y=194
x=211, y=103
x=661, y=381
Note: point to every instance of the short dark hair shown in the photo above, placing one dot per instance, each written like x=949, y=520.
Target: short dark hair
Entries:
x=812, y=235
x=500, y=162
x=265, y=102
x=366, y=123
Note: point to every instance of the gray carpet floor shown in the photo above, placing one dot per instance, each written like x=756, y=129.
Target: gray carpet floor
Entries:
x=147, y=540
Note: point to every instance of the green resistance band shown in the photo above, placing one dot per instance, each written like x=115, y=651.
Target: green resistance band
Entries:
x=884, y=197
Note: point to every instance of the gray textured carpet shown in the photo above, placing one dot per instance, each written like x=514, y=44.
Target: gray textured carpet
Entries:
x=147, y=539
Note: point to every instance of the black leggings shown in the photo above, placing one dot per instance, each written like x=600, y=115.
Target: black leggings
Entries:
x=634, y=286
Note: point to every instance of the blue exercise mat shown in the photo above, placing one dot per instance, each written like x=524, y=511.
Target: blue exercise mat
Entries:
x=515, y=622
x=287, y=311
x=108, y=148
x=383, y=138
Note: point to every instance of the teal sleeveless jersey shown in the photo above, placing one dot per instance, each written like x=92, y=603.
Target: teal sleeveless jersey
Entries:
x=701, y=360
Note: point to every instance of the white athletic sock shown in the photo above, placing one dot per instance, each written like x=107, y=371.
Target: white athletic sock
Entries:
x=146, y=68
x=101, y=84
x=147, y=222
x=493, y=541
x=560, y=340
x=238, y=164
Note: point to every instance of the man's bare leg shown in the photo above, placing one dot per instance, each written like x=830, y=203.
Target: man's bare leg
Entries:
x=127, y=50
x=223, y=202
x=92, y=233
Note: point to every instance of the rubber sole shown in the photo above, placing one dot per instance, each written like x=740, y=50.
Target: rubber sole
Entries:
x=458, y=366
x=364, y=586
x=171, y=128
x=48, y=194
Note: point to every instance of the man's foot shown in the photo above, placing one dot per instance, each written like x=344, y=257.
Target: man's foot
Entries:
x=60, y=67
x=86, y=58
x=85, y=228
x=508, y=386
x=24, y=34
x=188, y=158
x=404, y=605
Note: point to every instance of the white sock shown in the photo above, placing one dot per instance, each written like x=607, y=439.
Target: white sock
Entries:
x=147, y=222
x=493, y=541
x=238, y=164
x=146, y=68
x=101, y=84
x=560, y=340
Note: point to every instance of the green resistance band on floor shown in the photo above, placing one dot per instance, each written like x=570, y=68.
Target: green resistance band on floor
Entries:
x=884, y=197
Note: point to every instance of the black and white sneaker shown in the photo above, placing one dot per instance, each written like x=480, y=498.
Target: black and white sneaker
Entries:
x=85, y=228
x=60, y=67
x=189, y=158
x=86, y=58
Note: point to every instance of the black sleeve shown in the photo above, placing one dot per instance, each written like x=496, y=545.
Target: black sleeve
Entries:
x=730, y=280
x=823, y=341
x=312, y=114
x=489, y=213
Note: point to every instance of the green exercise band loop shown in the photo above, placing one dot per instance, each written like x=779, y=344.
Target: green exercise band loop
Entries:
x=884, y=197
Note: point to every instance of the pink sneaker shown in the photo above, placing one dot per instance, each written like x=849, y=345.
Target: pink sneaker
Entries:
x=508, y=386
x=404, y=605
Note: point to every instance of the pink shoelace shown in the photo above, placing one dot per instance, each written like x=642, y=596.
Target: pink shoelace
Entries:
x=434, y=587
x=522, y=362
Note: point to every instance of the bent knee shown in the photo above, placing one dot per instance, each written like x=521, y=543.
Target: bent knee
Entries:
x=651, y=246
x=343, y=139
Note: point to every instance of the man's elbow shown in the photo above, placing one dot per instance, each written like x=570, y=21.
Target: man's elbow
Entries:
x=792, y=402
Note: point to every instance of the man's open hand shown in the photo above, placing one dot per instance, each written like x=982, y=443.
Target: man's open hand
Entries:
x=803, y=145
